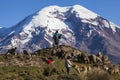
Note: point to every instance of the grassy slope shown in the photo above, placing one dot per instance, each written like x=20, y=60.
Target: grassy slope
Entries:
x=24, y=67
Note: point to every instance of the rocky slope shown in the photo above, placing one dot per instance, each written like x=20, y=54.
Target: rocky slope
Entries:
x=34, y=67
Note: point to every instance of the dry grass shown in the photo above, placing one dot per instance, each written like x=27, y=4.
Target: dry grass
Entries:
x=24, y=67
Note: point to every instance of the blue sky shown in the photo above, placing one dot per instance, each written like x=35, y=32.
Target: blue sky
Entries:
x=13, y=11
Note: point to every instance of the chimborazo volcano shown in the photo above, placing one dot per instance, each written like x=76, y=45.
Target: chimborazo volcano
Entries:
x=80, y=28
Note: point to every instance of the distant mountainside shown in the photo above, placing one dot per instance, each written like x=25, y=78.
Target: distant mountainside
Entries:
x=80, y=28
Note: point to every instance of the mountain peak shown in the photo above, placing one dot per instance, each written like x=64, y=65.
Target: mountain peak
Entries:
x=83, y=12
x=79, y=27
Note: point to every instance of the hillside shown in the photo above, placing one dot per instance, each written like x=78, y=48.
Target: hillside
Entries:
x=34, y=67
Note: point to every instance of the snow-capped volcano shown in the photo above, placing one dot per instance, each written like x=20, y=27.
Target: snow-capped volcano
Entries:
x=79, y=27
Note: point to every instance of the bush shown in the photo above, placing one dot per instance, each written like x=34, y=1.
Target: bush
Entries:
x=48, y=71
